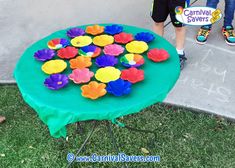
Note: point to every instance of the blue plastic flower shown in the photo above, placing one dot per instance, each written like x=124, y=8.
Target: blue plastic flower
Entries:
x=106, y=60
x=56, y=81
x=90, y=51
x=144, y=36
x=119, y=87
x=44, y=54
x=113, y=29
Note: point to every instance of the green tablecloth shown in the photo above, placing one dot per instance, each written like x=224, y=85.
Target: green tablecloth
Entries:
x=59, y=108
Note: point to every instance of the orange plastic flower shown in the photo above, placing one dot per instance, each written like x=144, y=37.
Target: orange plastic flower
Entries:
x=93, y=90
x=94, y=30
x=80, y=62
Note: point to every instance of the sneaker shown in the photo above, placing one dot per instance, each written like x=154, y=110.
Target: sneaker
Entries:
x=229, y=35
x=203, y=34
x=182, y=61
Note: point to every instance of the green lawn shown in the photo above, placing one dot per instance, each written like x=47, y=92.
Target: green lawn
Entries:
x=184, y=138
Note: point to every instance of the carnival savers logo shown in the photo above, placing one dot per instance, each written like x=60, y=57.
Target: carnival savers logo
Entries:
x=198, y=15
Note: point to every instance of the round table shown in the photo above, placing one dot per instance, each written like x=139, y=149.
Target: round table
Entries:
x=62, y=107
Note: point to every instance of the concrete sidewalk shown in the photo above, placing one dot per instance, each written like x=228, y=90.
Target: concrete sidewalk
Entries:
x=205, y=84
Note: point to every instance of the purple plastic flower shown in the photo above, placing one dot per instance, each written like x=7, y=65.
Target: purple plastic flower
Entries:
x=113, y=29
x=75, y=32
x=44, y=54
x=119, y=87
x=56, y=81
x=145, y=36
x=64, y=42
x=106, y=60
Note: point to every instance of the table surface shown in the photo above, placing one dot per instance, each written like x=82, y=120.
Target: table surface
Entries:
x=62, y=107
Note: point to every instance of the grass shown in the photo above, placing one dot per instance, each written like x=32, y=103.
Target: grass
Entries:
x=184, y=138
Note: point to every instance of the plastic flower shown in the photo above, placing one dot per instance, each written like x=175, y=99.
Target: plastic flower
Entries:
x=158, y=55
x=107, y=74
x=90, y=51
x=132, y=60
x=145, y=36
x=58, y=43
x=81, y=41
x=93, y=90
x=113, y=49
x=56, y=81
x=106, y=60
x=81, y=75
x=68, y=52
x=75, y=32
x=103, y=40
x=119, y=87
x=94, y=30
x=80, y=62
x=44, y=54
x=137, y=47
x=54, y=66
x=132, y=75
x=113, y=29
x=123, y=38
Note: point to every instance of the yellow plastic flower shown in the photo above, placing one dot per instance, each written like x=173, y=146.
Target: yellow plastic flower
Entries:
x=103, y=40
x=137, y=47
x=54, y=66
x=81, y=41
x=107, y=74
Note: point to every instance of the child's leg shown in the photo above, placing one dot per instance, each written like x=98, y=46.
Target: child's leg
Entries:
x=212, y=4
x=180, y=31
x=204, y=31
x=159, y=14
x=229, y=12
x=159, y=28
x=228, y=30
x=180, y=38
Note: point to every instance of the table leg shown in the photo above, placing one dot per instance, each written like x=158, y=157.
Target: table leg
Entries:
x=115, y=121
x=114, y=142
x=111, y=134
x=85, y=142
x=80, y=130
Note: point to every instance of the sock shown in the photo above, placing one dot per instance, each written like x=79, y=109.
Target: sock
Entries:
x=180, y=52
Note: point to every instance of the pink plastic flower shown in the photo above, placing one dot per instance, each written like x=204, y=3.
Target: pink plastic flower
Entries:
x=113, y=49
x=81, y=75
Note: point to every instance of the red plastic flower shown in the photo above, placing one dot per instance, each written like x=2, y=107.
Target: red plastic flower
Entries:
x=123, y=38
x=158, y=55
x=132, y=75
x=68, y=52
